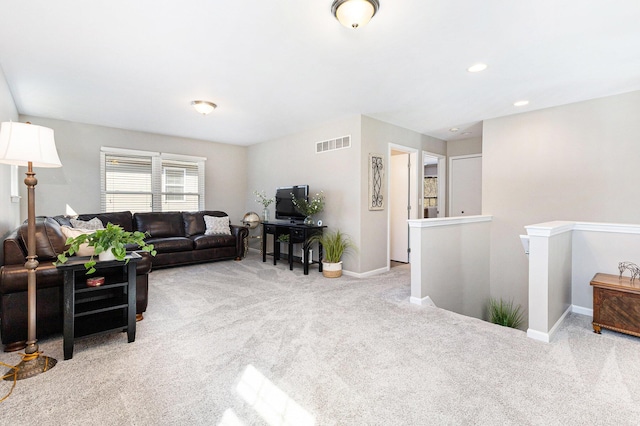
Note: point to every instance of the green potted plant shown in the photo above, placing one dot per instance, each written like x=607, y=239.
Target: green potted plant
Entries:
x=108, y=244
x=334, y=244
x=505, y=314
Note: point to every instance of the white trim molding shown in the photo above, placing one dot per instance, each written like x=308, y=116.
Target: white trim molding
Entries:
x=425, y=301
x=582, y=310
x=446, y=221
x=546, y=337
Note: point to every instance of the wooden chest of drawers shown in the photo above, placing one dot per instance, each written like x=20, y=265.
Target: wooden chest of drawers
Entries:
x=616, y=304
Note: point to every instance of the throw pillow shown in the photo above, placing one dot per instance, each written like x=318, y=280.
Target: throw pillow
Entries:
x=217, y=225
x=84, y=249
x=92, y=224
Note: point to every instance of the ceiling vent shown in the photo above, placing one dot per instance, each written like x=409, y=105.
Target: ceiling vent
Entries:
x=333, y=144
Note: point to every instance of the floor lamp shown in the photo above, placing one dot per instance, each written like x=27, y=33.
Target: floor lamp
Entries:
x=25, y=144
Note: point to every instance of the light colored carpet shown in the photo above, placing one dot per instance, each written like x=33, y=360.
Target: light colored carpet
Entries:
x=245, y=342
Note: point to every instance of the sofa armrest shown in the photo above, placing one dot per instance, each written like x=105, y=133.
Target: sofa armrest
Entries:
x=241, y=232
x=14, y=252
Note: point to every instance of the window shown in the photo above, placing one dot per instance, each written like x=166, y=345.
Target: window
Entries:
x=173, y=180
x=142, y=181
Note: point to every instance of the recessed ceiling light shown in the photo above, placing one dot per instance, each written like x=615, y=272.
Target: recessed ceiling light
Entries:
x=477, y=67
x=521, y=103
x=203, y=107
x=453, y=129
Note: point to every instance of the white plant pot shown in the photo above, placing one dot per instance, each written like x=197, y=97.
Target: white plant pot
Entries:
x=106, y=255
x=332, y=270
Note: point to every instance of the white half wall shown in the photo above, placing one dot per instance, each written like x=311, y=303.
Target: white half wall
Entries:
x=563, y=258
x=550, y=248
x=450, y=263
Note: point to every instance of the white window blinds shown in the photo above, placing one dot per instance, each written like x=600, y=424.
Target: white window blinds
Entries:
x=141, y=181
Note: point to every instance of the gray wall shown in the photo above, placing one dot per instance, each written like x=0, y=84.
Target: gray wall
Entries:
x=464, y=147
x=77, y=183
x=573, y=162
x=9, y=211
x=342, y=174
x=291, y=160
x=376, y=137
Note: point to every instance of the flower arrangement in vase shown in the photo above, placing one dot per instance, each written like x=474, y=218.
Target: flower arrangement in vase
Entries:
x=266, y=202
x=309, y=208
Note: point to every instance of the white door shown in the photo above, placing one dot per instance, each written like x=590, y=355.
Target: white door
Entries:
x=465, y=185
x=398, y=204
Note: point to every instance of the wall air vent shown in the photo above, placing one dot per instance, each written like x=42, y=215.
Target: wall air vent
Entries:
x=333, y=144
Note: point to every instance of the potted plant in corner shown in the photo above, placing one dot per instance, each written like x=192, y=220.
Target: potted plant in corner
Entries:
x=505, y=313
x=108, y=243
x=334, y=245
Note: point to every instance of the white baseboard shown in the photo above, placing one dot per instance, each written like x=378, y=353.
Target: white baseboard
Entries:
x=425, y=301
x=546, y=337
x=582, y=311
x=366, y=274
x=538, y=335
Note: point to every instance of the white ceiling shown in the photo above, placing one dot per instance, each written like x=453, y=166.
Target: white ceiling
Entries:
x=282, y=66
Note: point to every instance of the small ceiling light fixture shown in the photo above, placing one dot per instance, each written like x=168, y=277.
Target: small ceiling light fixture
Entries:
x=203, y=107
x=354, y=13
x=521, y=103
x=477, y=67
x=453, y=129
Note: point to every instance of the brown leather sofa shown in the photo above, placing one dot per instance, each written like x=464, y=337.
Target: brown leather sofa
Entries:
x=178, y=238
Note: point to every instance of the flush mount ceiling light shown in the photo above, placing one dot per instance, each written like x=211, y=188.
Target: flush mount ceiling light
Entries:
x=521, y=103
x=477, y=67
x=453, y=129
x=203, y=107
x=354, y=13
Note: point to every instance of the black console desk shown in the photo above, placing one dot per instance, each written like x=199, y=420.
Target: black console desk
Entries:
x=298, y=233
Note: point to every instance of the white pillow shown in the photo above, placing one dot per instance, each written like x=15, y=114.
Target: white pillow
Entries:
x=84, y=249
x=92, y=224
x=217, y=225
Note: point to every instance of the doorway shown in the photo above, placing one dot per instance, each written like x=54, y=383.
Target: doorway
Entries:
x=434, y=174
x=403, y=200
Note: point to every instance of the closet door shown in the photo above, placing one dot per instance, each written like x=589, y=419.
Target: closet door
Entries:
x=465, y=185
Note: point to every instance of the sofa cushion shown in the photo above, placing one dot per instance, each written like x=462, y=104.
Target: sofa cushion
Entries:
x=217, y=225
x=194, y=221
x=84, y=249
x=170, y=244
x=92, y=224
x=160, y=224
x=210, y=241
x=50, y=241
x=123, y=219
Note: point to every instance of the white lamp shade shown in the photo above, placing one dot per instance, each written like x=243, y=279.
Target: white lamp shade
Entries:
x=21, y=143
x=355, y=13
